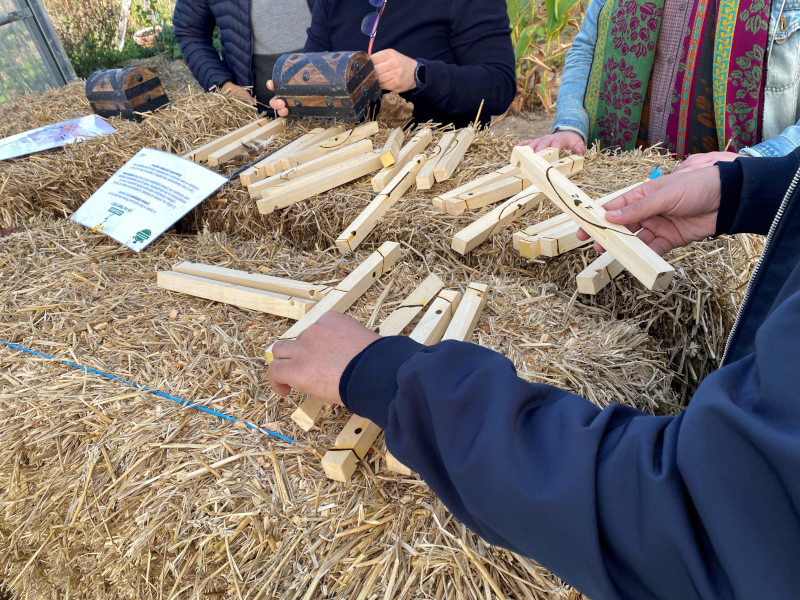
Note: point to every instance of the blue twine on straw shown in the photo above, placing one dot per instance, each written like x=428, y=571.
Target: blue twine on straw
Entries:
x=156, y=392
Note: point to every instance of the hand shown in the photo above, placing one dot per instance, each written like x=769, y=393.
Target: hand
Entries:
x=238, y=91
x=558, y=140
x=278, y=105
x=707, y=159
x=671, y=211
x=314, y=362
x=395, y=71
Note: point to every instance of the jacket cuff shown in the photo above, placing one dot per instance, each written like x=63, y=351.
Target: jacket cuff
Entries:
x=572, y=120
x=731, y=179
x=369, y=383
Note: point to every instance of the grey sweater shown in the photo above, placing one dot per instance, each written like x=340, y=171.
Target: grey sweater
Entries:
x=279, y=26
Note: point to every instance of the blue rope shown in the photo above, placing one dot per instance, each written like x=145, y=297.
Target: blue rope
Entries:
x=155, y=392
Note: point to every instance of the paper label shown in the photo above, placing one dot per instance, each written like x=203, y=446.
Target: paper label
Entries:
x=146, y=196
x=54, y=136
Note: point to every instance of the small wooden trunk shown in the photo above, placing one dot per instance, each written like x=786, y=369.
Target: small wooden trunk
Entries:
x=332, y=85
x=125, y=92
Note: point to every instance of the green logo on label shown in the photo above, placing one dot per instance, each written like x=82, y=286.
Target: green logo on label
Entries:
x=116, y=211
x=143, y=235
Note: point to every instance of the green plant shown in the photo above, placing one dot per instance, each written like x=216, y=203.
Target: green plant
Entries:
x=537, y=31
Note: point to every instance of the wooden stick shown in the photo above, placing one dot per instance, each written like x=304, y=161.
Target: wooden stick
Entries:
x=494, y=221
x=278, y=285
x=391, y=150
x=429, y=331
x=414, y=146
x=237, y=147
x=349, y=289
x=553, y=242
x=308, y=412
x=449, y=163
x=426, y=178
x=345, y=138
x=539, y=228
x=598, y=274
x=281, y=198
x=351, y=445
x=647, y=266
x=480, y=197
x=365, y=222
x=236, y=295
x=203, y=152
x=259, y=170
x=333, y=159
x=411, y=306
x=468, y=313
x=303, y=179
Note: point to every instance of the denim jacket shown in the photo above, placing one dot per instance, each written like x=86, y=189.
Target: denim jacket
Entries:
x=781, y=95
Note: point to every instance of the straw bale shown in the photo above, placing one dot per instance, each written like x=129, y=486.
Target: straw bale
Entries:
x=106, y=492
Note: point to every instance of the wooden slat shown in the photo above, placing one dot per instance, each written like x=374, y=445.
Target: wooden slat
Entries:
x=411, y=306
x=350, y=289
x=643, y=263
x=468, y=313
x=451, y=159
x=598, y=274
x=329, y=161
x=429, y=331
x=483, y=196
x=416, y=145
x=308, y=412
x=278, y=285
x=426, y=178
x=281, y=198
x=340, y=462
x=202, y=153
x=553, y=242
x=259, y=170
x=391, y=149
x=338, y=142
x=236, y=295
x=539, y=228
x=237, y=147
x=366, y=221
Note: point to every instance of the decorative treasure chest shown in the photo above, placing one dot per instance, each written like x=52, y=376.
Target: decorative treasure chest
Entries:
x=125, y=92
x=335, y=85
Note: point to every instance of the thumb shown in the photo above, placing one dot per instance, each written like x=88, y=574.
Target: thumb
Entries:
x=270, y=85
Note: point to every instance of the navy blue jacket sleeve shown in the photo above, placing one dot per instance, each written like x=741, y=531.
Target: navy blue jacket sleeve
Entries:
x=481, y=41
x=617, y=502
x=752, y=191
x=193, y=27
x=318, y=37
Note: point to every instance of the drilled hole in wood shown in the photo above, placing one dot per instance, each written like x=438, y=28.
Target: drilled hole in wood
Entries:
x=359, y=430
x=438, y=312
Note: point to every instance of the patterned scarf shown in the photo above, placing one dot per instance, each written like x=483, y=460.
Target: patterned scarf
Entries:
x=732, y=48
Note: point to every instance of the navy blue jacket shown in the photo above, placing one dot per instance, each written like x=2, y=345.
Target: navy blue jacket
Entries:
x=619, y=503
x=465, y=46
x=193, y=25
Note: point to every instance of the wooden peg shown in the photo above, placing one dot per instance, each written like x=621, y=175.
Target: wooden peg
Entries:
x=451, y=159
x=328, y=162
x=363, y=225
x=202, y=153
x=278, y=285
x=469, y=311
x=308, y=412
x=647, y=266
x=426, y=178
x=341, y=140
x=411, y=306
x=598, y=274
x=235, y=295
x=391, y=150
x=262, y=134
x=259, y=170
x=350, y=289
x=299, y=190
x=412, y=148
x=351, y=446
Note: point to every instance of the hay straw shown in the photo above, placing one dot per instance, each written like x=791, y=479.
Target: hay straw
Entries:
x=107, y=493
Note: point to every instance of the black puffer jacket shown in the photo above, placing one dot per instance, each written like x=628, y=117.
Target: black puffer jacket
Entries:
x=193, y=27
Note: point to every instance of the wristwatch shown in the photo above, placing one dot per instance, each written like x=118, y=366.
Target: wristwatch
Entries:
x=419, y=74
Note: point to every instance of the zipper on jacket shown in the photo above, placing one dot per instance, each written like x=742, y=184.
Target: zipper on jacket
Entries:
x=770, y=235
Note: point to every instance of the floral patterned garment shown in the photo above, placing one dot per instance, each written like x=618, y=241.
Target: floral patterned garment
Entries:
x=720, y=84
